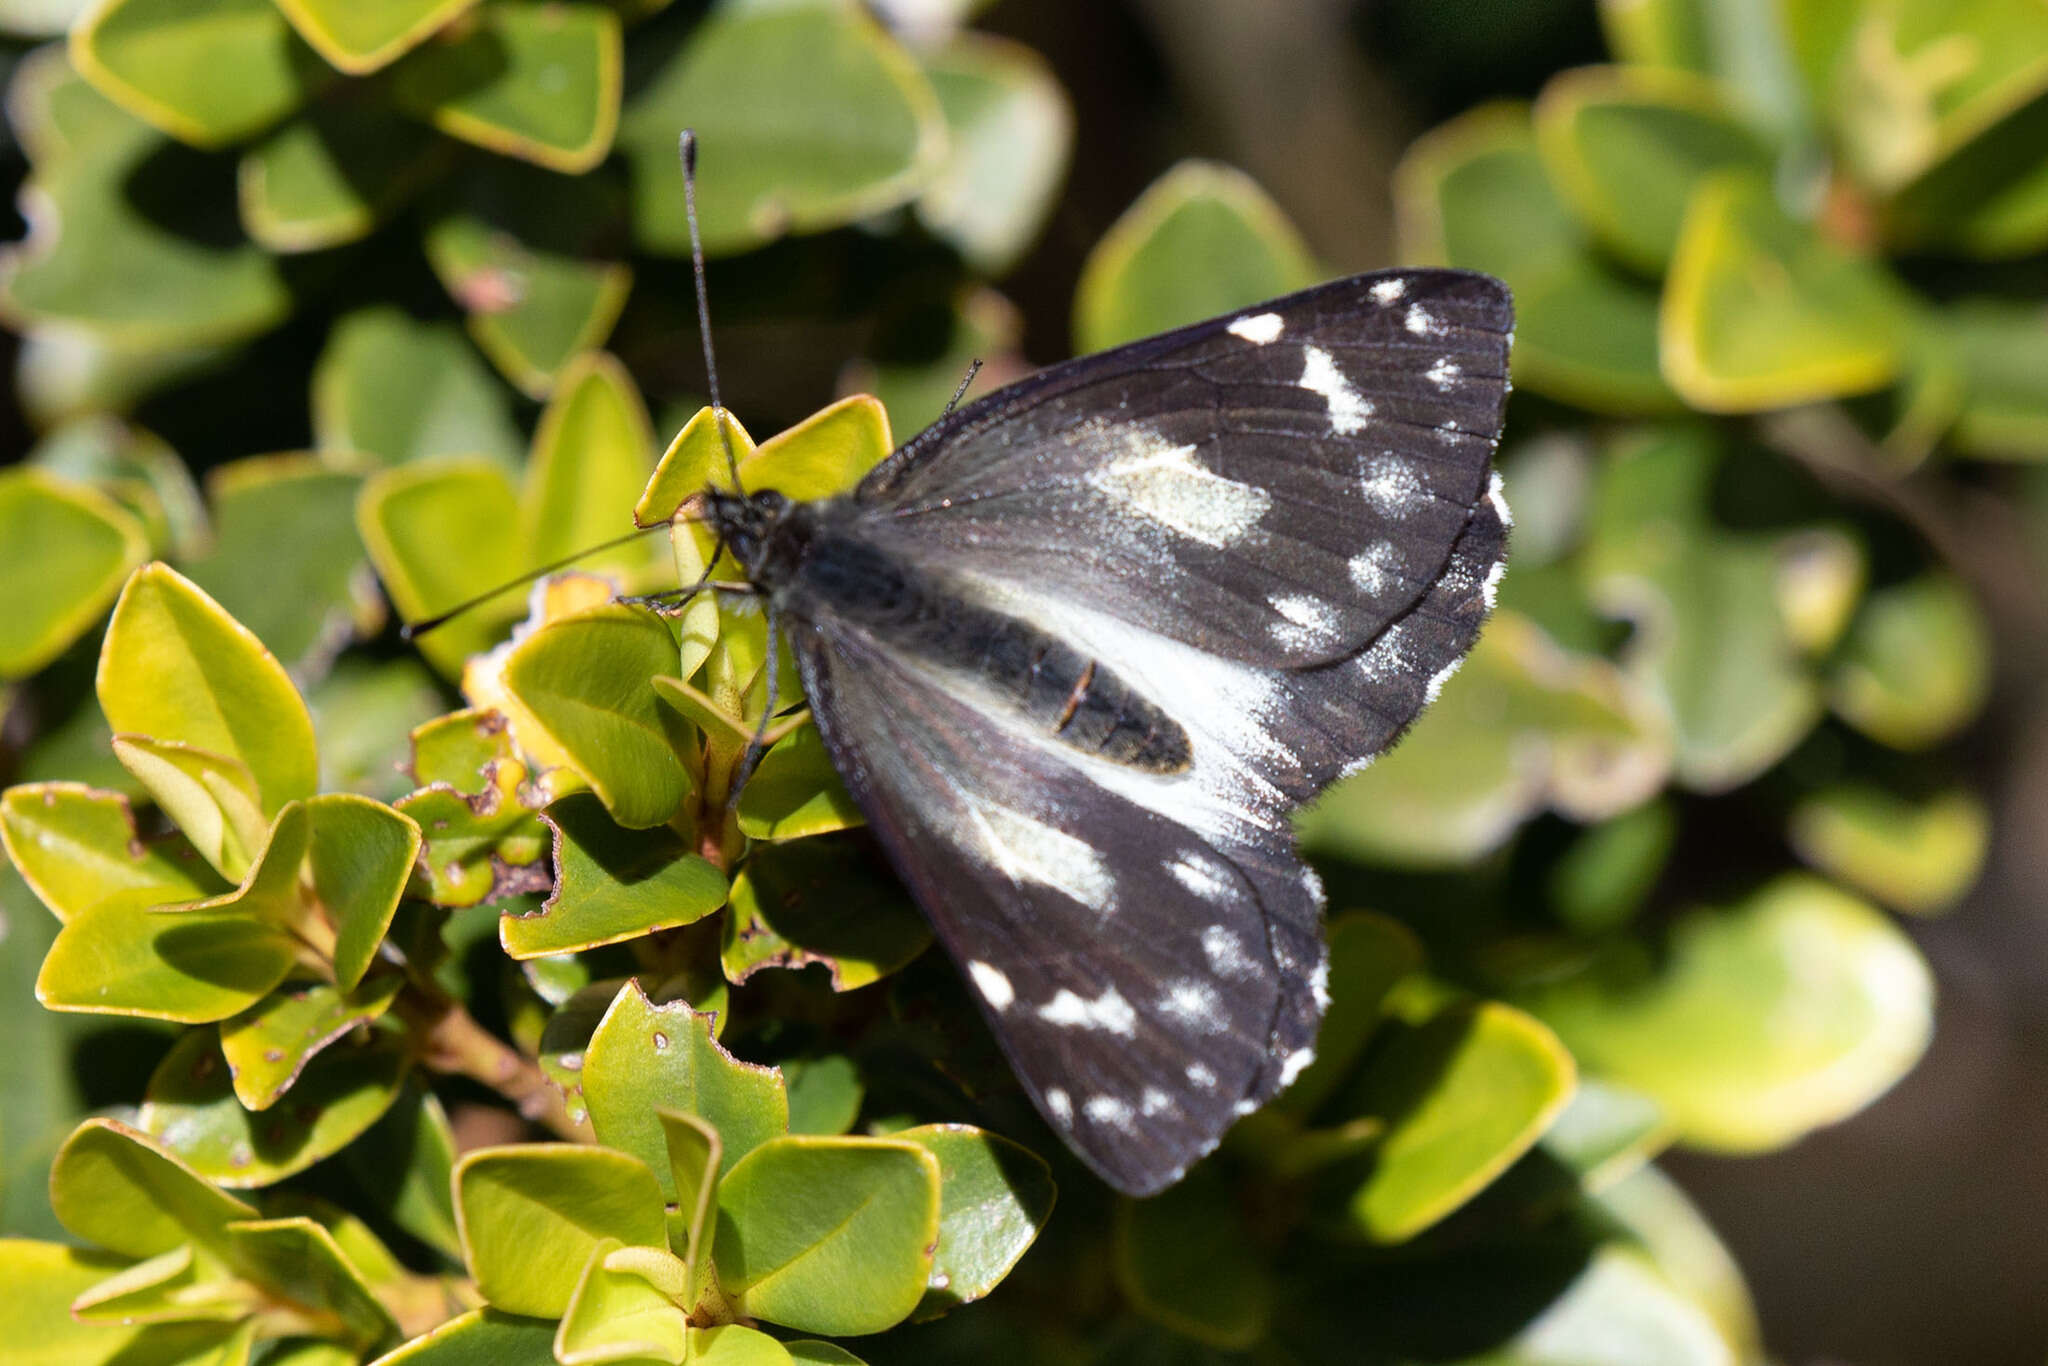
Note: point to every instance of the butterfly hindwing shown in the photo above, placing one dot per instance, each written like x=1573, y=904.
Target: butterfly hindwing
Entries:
x=1142, y=980
x=1275, y=486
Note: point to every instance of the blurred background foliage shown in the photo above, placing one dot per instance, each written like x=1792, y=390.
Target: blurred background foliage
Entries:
x=340, y=306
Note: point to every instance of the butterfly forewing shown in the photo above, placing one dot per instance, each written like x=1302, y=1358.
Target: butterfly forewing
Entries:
x=1275, y=486
x=1081, y=648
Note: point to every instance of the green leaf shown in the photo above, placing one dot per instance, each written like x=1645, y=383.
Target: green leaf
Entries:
x=273, y=891
x=820, y=901
x=1201, y=240
x=481, y=847
x=1010, y=135
x=824, y=1093
x=617, y=1315
x=482, y=1337
x=64, y=550
x=36, y=1319
x=1792, y=1008
x=645, y=1057
x=176, y=667
x=537, y=81
x=1916, y=856
x=693, y=460
x=828, y=1235
x=592, y=455
x=994, y=1197
x=460, y=748
x=191, y=1108
x=161, y=60
x=1916, y=666
x=138, y=470
x=297, y=1260
x=1462, y=1092
x=809, y=116
x=1184, y=1260
x=1761, y=313
x=78, y=849
x=1712, y=641
x=405, y=1163
x=812, y=1352
x=1988, y=198
x=1606, y=1133
x=585, y=682
x=191, y=967
x=164, y=1288
x=2000, y=348
x=333, y=176
x=1917, y=80
x=695, y=1156
x=796, y=792
x=439, y=533
x=1628, y=145
x=1666, y=1226
x=612, y=884
x=736, y=1344
x=359, y=36
x=388, y=389
x=1475, y=194
x=1621, y=1311
x=286, y=561
x=825, y=454
x=1602, y=879
x=1524, y=726
x=361, y=856
x=267, y=1046
x=1369, y=953
x=526, y=259
x=212, y=799
x=556, y=1199
x=138, y=249
x=125, y=1191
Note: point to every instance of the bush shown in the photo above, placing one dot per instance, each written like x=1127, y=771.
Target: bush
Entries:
x=338, y=932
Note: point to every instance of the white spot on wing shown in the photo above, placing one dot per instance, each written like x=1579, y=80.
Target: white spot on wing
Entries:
x=1108, y=1011
x=1375, y=569
x=1438, y=679
x=1166, y=484
x=1225, y=952
x=1390, y=485
x=1319, y=374
x=1444, y=373
x=1026, y=850
x=1061, y=1105
x=1296, y=1063
x=1257, y=329
x=1195, y=1003
x=1202, y=875
x=1198, y=1074
x=1389, y=291
x=1154, y=1101
x=1306, y=622
x=992, y=984
x=1108, y=1110
x=1319, y=982
x=1422, y=322
x=1492, y=586
x=1496, y=495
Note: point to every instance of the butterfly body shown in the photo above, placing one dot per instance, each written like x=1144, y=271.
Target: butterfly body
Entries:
x=1080, y=648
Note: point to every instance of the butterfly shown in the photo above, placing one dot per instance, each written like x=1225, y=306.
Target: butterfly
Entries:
x=1080, y=648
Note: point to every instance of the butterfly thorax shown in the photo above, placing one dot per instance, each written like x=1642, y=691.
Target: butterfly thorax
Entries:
x=813, y=563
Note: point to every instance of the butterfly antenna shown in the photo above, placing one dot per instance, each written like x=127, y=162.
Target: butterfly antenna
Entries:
x=412, y=630
x=973, y=369
x=687, y=149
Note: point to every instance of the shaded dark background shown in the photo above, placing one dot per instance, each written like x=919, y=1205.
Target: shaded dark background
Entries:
x=1913, y=1235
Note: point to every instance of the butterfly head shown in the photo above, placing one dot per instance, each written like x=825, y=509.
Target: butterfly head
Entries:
x=758, y=530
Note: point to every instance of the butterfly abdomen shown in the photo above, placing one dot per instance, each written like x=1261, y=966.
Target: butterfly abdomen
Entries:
x=1075, y=698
